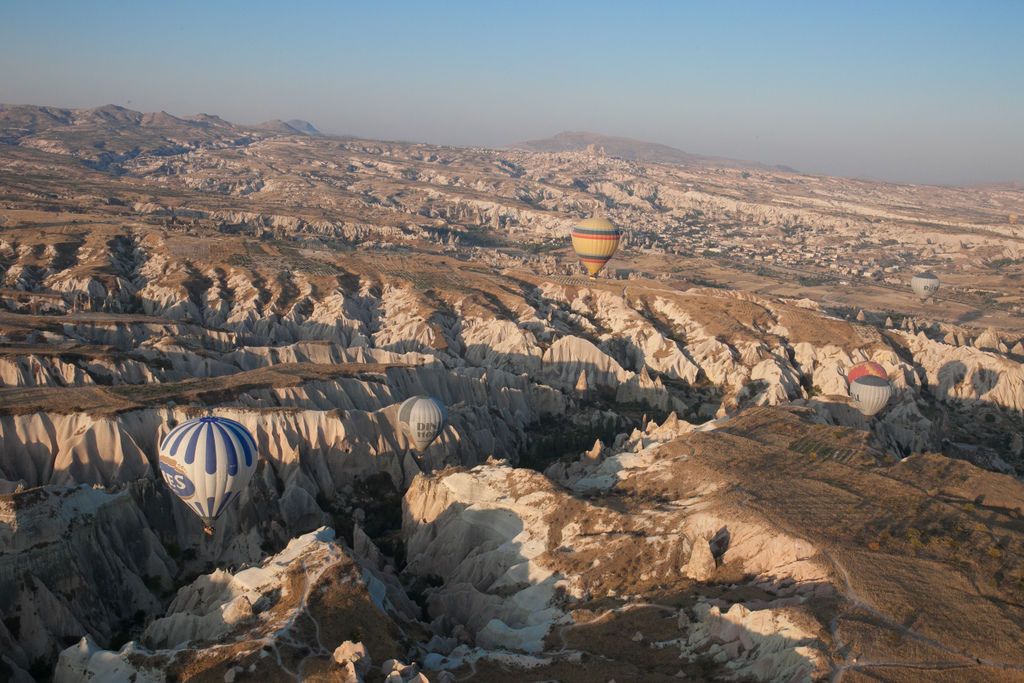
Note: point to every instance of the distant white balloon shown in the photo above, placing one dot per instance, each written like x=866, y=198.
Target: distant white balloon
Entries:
x=422, y=419
x=924, y=284
x=207, y=462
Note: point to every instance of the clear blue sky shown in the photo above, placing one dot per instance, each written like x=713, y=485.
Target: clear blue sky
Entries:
x=909, y=91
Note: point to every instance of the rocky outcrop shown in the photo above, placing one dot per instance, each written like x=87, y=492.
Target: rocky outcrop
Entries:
x=762, y=645
x=714, y=357
x=502, y=345
x=962, y=372
x=635, y=340
x=297, y=605
x=72, y=561
x=570, y=356
x=508, y=543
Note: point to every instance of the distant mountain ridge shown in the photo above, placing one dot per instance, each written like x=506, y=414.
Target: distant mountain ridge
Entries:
x=34, y=118
x=24, y=120
x=1006, y=186
x=633, y=150
x=108, y=137
x=290, y=127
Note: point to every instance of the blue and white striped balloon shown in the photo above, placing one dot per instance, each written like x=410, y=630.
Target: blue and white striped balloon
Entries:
x=207, y=462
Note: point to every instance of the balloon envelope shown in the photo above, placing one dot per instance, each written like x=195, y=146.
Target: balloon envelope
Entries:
x=422, y=419
x=595, y=241
x=207, y=462
x=866, y=368
x=924, y=284
x=870, y=394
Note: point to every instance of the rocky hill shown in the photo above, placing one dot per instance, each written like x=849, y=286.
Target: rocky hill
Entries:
x=291, y=127
x=647, y=475
x=630, y=149
x=623, y=148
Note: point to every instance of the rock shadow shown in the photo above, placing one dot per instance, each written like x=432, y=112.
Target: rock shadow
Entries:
x=969, y=316
x=984, y=380
x=950, y=375
x=719, y=543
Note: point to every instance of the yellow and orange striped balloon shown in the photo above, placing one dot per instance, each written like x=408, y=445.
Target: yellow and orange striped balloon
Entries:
x=595, y=241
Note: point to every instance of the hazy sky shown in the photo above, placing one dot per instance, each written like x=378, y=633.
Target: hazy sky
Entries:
x=909, y=91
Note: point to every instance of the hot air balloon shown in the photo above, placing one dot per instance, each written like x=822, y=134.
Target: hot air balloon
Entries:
x=924, y=284
x=595, y=241
x=207, y=462
x=422, y=419
x=869, y=387
x=866, y=368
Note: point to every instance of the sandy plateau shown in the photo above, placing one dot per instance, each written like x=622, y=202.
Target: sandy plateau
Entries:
x=657, y=475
